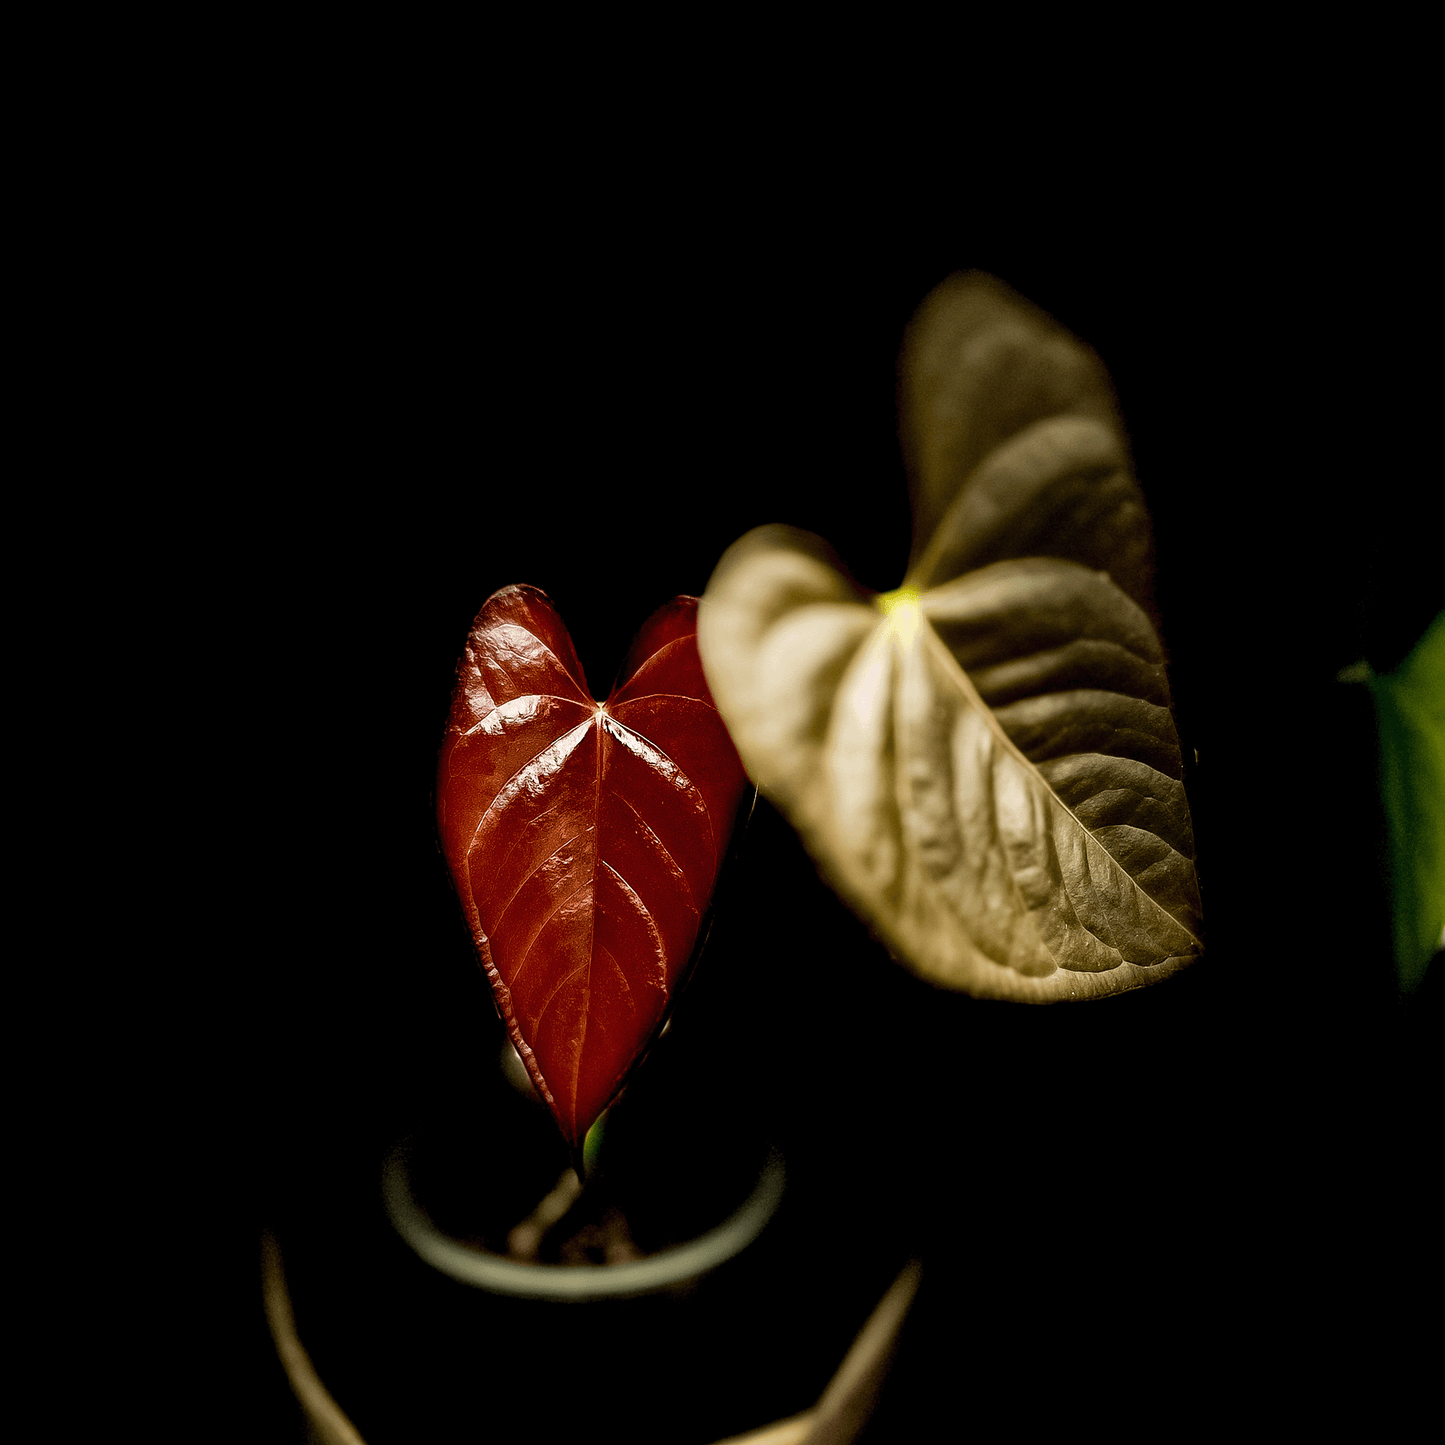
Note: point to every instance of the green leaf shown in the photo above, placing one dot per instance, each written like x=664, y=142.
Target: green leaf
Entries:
x=1410, y=710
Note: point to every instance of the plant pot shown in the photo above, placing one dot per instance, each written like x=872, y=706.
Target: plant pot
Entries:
x=411, y=1319
x=669, y=1268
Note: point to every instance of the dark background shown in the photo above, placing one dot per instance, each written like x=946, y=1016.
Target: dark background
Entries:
x=398, y=396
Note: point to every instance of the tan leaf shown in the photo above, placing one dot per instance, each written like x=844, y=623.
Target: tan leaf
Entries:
x=984, y=763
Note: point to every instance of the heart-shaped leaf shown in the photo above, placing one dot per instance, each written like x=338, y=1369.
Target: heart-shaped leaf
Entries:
x=983, y=763
x=584, y=838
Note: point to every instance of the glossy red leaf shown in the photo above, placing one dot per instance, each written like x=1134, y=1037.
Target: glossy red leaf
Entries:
x=584, y=838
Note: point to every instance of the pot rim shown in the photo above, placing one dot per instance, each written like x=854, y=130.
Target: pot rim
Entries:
x=485, y=1270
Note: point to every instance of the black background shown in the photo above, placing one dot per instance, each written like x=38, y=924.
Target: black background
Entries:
x=396, y=395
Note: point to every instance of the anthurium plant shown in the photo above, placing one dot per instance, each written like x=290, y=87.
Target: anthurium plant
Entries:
x=969, y=702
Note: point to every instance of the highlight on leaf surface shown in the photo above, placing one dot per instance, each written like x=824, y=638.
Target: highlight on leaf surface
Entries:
x=584, y=838
x=984, y=762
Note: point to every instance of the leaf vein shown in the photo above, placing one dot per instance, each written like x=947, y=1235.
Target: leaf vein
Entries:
x=496, y=797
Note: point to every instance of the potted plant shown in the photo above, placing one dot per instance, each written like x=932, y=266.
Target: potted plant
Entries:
x=982, y=762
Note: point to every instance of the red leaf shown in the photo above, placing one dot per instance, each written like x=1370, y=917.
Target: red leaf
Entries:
x=584, y=838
